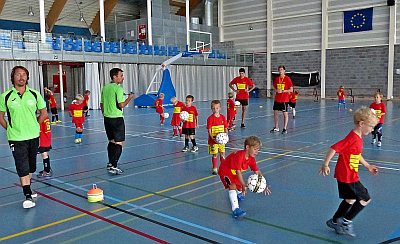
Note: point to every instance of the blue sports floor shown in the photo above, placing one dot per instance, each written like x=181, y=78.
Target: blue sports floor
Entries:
x=169, y=196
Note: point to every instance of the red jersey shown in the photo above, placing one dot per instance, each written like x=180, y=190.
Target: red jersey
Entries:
x=293, y=97
x=380, y=109
x=159, y=105
x=282, y=84
x=237, y=161
x=230, y=109
x=86, y=100
x=176, y=120
x=341, y=95
x=217, y=125
x=242, y=87
x=45, y=133
x=52, y=101
x=349, y=150
x=191, y=122
x=77, y=112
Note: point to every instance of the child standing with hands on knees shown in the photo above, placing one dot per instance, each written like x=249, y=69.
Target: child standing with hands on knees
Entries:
x=355, y=196
x=216, y=123
x=230, y=173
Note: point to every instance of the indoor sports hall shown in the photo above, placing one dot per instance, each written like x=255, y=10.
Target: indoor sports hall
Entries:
x=196, y=47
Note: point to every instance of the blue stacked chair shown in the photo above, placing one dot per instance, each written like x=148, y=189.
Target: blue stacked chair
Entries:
x=125, y=47
x=77, y=46
x=213, y=54
x=156, y=50
x=96, y=47
x=68, y=44
x=87, y=46
x=56, y=44
x=149, y=50
x=115, y=47
x=163, y=51
x=107, y=47
x=142, y=49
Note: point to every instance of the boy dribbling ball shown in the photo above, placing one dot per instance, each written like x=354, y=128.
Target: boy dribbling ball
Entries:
x=355, y=196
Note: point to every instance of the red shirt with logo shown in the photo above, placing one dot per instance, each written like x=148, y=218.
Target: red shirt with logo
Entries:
x=176, y=120
x=159, y=105
x=236, y=161
x=349, y=150
x=230, y=109
x=217, y=125
x=52, y=101
x=293, y=97
x=86, y=100
x=379, y=108
x=77, y=112
x=282, y=84
x=341, y=95
x=45, y=133
x=242, y=85
x=191, y=122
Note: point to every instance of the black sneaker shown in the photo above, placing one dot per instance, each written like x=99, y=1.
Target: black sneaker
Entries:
x=109, y=166
x=242, y=126
x=284, y=131
x=274, y=130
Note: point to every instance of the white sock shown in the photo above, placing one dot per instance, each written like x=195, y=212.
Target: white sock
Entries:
x=233, y=199
x=238, y=192
x=294, y=112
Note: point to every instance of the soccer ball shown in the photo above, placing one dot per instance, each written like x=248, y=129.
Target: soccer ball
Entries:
x=166, y=115
x=373, y=110
x=237, y=103
x=184, y=115
x=222, y=138
x=256, y=183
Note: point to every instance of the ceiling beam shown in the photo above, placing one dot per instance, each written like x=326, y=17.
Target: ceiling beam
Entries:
x=108, y=7
x=192, y=4
x=2, y=3
x=54, y=13
x=177, y=4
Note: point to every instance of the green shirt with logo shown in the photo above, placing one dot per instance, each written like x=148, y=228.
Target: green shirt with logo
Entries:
x=22, y=121
x=111, y=95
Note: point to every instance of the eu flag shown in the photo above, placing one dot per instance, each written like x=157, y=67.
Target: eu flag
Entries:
x=357, y=20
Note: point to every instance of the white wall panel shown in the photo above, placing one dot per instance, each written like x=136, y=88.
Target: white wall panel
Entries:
x=398, y=23
x=287, y=8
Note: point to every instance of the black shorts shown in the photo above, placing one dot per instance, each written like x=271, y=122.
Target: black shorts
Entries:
x=292, y=105
x=44, y=149
x=189, y=131
x=24, y=153
x=281, y=106
x=54, y=111
x=354, y=190
x=115, y=129
x=243, y=102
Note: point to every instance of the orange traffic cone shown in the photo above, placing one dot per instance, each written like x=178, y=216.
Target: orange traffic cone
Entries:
x=95, y=194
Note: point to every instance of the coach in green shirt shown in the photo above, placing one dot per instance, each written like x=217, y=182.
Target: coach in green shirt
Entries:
x=112, y=102
x=21, y=103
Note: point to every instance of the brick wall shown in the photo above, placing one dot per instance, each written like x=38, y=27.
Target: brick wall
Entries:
x=396, y=78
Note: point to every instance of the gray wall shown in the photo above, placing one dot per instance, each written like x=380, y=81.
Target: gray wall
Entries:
x=396, y=78
x=364, y=69
x=258, y=72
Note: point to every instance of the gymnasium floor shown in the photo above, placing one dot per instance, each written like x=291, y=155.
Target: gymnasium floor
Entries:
x=169, y=196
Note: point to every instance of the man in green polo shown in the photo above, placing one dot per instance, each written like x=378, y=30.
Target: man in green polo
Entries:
x=21, y=103
x=112, y=102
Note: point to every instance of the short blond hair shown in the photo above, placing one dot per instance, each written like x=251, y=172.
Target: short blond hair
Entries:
x=79, y=97
x=366, y=115
x=173, y=99
x=252, y=141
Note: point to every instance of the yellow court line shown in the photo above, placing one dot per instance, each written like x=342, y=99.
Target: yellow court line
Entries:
x=123, y=202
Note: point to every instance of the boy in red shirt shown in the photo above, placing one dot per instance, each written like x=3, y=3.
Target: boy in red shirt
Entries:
x=176, y=122
x=341, y=97
x=53, y=107
x=231, y=111
x=380, y=111
x=159, y=107
x=230, y=173
x=190, y=125
x=216, y=123
x=355, y=196
x=292, y=102
x=242, y=85
x=86, y=102
x=44, y=148
x=76, y=110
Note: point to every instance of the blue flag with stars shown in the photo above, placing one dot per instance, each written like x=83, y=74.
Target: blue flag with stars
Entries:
x=357, y=20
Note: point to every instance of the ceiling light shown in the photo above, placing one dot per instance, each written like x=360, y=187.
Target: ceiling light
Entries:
x=30, y=12
x=81, y=19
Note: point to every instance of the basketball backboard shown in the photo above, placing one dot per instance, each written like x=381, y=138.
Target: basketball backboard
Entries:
x=199, y=42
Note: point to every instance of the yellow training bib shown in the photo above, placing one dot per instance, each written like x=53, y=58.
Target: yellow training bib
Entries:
x=77, y=113
x=354, y=161
x=190, y=119
x=280, y=87
x=241, y=86
x=177, y=110
x=217, y=129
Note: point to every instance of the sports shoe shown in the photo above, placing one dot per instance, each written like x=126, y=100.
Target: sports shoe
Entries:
x=175, y=135
x=28, y=203
x=346, y=226
x=379, y=144
x=80, y=140
x=44, y=174
x=115, y=171
x=53, y=122
x=185, y=149
x=274, y=130
x=242, y=126
x=240, y=197
x=334, y=226
x=284, y=131
x=373, y=141
x=34, y=195
x=238, y=213
x=76, y=141
x=194, y=149
x=59, y=121
x=214, y=171
x=109, y=166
